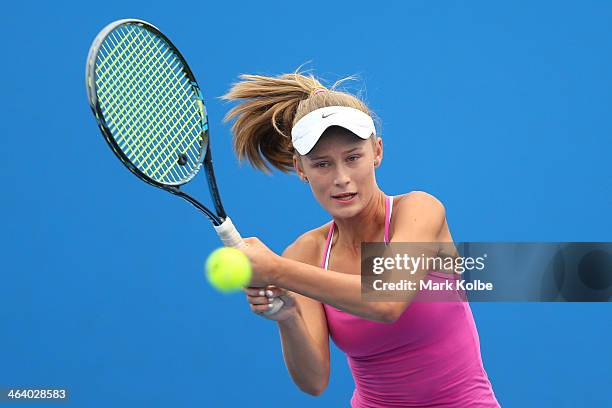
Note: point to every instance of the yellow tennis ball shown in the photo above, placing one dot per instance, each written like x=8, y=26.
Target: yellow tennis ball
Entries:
x=228, y=269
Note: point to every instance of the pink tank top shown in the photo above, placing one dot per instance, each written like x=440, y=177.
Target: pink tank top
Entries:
x=429, y=357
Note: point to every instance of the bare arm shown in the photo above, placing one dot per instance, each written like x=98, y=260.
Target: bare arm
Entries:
x=341, y=290
x=304, y=334
x=419, y=218
x=305, y=343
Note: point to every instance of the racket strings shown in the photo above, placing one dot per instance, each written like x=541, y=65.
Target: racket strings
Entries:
x=150, y=104
x=140, y=119
x=110, y=75
x=144, y=146
x=166, y=95
x=139, y=146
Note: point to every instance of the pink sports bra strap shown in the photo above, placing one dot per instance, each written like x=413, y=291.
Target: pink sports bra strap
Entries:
x=387, y=219
x=330, y=234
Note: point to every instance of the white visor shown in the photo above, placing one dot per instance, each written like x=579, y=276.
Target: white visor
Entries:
x=308, y=130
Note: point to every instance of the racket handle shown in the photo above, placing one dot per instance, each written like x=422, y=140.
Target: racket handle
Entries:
x=229, y=234
x=231, y=237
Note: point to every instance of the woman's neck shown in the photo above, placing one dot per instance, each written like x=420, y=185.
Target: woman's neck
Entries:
x=367, y=226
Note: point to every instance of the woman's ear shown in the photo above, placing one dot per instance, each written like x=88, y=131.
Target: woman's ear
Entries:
x=378, y=151
x=297, y=164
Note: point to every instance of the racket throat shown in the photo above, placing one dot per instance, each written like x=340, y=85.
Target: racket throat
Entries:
x=216, y=220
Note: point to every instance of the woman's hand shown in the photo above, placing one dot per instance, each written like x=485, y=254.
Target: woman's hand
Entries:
x=261, y=300
x=263, y=261
x=261, y=291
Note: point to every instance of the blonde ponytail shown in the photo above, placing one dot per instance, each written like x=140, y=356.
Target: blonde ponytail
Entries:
x=269, y=108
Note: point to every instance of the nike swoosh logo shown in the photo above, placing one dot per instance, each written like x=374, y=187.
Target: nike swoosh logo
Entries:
x=323, y=116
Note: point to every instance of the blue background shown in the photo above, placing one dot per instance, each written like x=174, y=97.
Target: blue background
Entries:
x=500, y=110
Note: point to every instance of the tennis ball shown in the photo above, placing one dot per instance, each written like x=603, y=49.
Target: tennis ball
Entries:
x=228, y=269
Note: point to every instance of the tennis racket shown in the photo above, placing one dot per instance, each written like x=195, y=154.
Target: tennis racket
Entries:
x=151, y=112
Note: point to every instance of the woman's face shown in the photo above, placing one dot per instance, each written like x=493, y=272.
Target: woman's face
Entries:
x=340, y=171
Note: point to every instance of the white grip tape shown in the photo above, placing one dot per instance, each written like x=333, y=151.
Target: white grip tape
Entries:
x=231, y=237
x=229, y=234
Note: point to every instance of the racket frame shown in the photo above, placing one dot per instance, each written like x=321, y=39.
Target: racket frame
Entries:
x=222, y=223
x=205, y=156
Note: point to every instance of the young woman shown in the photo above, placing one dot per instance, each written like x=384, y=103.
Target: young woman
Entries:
x=401, y=354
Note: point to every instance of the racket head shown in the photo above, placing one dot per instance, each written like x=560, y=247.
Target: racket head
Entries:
x=147, y=102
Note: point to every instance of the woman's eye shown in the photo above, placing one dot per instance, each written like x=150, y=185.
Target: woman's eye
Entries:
x=321, y=164
x=353, y=158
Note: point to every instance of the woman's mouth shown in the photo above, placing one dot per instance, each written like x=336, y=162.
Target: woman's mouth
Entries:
x=344, y=197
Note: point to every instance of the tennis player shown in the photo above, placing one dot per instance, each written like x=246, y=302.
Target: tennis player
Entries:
x=401, y=353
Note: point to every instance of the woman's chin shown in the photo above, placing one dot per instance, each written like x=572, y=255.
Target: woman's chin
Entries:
x=344, y=210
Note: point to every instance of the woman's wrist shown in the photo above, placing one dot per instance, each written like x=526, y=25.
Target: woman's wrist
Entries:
x=276, y=269
x=291, y=321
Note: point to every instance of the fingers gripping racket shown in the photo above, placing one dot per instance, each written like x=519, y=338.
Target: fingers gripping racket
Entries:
x=150, y=110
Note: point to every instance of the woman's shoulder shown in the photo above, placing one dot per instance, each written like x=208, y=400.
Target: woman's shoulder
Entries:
x=417, y=198
x=417, y=215
x=308, y=246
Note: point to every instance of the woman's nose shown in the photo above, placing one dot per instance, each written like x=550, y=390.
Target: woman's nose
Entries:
x=341, y=178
